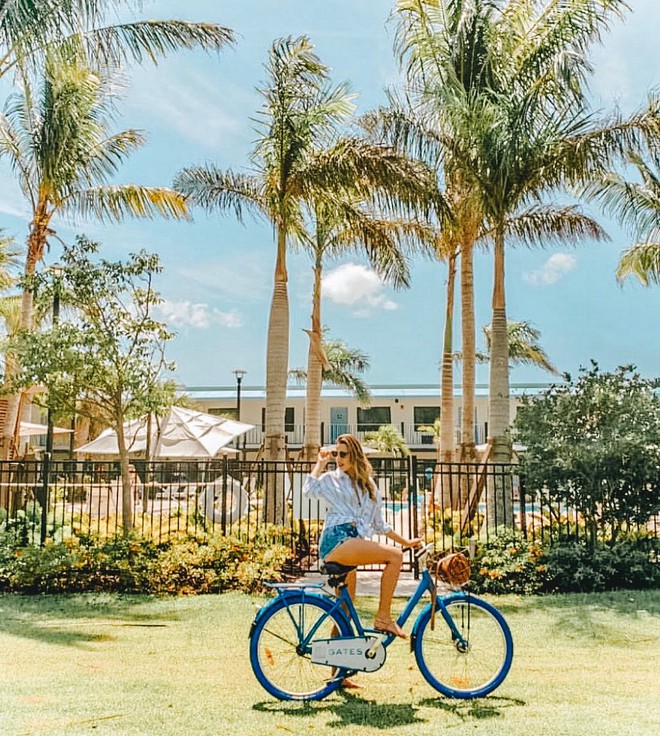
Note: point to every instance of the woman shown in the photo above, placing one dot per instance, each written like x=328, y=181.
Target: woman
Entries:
x=355, y=514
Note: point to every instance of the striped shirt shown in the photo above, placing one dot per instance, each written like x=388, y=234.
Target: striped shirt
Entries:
x=346, y=503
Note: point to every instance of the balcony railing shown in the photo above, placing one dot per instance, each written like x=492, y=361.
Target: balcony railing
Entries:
x=295, y=435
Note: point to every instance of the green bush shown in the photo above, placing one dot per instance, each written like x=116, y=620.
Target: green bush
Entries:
x=577, y=566
x=508, y=563
x=187, y=565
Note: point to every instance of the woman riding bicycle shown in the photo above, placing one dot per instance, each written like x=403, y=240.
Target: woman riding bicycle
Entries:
x=355, y=514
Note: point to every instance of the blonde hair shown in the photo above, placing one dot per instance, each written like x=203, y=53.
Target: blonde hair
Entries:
x=360, y=466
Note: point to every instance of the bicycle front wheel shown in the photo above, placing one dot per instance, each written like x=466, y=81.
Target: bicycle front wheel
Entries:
x=469, y=666
x=279, y=658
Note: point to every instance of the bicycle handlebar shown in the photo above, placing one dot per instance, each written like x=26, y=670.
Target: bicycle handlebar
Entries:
x=424, y=552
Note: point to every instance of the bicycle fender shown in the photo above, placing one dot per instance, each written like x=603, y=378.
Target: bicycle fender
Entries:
x=456, y=596
x=291, y=597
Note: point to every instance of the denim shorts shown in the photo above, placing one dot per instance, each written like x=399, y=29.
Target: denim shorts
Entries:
x=333, y=536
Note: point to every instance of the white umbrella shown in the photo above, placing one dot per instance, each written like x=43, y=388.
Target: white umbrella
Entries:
x=183, y=433
x=28, y=429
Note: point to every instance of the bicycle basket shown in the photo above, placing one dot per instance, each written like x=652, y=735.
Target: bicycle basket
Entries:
x=455, y=569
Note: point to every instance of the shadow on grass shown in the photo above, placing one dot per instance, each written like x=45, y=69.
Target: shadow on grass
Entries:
x=477, y=709
x=355, y=710
x=63, y=620
x=618, y=601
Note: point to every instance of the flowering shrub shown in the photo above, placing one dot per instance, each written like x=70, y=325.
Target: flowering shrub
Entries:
x=508, y=563
x=210, y=564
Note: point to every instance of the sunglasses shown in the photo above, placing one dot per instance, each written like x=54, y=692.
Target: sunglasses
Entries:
x=341, y=453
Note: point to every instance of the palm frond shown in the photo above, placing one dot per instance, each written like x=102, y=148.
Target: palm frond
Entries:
x=641, y=261
x=114, y=203
x=524, y=348
x=372, y=172
x=151, y=40
x=213, y=189
x=635, y=204
x=346, y=363
x=547, y=225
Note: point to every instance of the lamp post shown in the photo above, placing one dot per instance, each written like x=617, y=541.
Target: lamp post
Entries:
x=239, y=377
x=56, y=270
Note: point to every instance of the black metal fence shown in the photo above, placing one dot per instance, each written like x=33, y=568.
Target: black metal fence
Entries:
x=455, y=504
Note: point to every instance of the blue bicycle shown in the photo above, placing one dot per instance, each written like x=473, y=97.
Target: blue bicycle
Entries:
x=306, y=640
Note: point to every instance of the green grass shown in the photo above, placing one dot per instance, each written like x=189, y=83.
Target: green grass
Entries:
x=122, y=666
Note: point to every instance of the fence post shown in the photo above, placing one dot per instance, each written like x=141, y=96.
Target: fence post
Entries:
x=45, y=469
x=412, y=500
x=223, y=519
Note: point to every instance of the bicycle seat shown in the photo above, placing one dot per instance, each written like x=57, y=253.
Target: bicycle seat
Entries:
x=336, y=573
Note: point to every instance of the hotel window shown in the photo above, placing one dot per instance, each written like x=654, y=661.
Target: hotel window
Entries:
x=288, y=419
x=368, y=420
x=425, y=416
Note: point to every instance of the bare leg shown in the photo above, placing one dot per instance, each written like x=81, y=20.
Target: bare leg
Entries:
x=365, y=552
x=351, y=584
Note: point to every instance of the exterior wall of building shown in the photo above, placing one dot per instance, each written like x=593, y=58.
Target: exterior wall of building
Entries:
x=404, y=407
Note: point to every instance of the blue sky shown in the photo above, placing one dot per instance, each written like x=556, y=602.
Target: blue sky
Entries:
x=217, y=277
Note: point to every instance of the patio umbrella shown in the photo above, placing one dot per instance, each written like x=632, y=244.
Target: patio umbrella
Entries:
x=28, y=429
x=183, y=433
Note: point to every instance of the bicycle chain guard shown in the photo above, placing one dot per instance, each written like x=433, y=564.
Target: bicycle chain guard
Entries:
x=349, y=652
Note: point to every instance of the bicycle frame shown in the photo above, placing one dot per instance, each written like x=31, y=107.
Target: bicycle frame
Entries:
x=345, y=607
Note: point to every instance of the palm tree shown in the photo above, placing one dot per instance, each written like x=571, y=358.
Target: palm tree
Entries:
x=336, y=230
x=520, y=131
x=61, y=150
x=301, y=113
x=524, y=347
x=387, y=439
x=637, y=206
x=340, y=366
x=443, y=47
x=28, y=29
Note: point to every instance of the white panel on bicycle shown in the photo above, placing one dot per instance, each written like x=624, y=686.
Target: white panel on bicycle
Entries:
x=349, y=652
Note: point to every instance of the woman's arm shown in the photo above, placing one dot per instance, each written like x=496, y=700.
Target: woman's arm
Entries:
x=321, y=462
x=313, y=487
x=414, y=543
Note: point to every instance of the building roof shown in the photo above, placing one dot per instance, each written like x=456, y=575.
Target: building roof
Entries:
x=228, y=393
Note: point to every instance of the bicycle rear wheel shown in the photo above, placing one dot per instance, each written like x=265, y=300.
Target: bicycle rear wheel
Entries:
x=469, y=670
x=280, y=662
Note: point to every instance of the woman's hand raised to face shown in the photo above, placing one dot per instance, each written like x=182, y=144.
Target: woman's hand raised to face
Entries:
x=325, y=456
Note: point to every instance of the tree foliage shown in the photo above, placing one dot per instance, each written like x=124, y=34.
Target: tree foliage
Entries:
x=111, y=351
x=594, y=444
x=387, y=439
x=109, y=356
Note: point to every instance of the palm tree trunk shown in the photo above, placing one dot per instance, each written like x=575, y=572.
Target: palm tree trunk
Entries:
x=314, y=373
x=446, y=447
x=35, y=247
x=500, y=502
x=277, y=366
x=447, y=437
x=467, y=453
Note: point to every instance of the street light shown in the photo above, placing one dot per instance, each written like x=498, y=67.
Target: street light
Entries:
x=239, y=377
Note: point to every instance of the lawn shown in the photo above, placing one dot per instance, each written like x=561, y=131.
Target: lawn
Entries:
x=122, y=666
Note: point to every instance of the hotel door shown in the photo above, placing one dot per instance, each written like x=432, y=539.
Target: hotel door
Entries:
x=338, y=421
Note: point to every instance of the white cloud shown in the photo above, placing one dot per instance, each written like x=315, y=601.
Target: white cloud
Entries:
x=198, y=316
x=356, y=286
x=554, y=269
